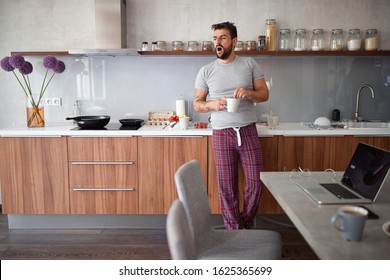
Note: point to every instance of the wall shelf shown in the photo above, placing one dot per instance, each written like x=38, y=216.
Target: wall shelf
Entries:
x=212, y=53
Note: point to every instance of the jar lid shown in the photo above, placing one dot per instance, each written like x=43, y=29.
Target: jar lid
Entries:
x=144, y=42
x=337, y=31
x=284, y=31
x=318, y=31
x=270, y=21
x=300, y=31
x=371, y=31
x=354, y=31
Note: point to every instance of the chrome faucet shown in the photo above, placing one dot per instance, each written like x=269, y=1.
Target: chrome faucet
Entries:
x=357, y=117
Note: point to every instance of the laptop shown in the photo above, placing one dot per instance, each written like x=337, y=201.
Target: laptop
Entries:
x=361, y=182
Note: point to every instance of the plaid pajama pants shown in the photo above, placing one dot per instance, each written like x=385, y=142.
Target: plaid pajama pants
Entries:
x=227, y=152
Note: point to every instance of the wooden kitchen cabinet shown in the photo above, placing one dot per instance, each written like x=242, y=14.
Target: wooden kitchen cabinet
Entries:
x=159, y=158
x=103, y=175
x=34, y=175
x=322, y=152
x=268, y=204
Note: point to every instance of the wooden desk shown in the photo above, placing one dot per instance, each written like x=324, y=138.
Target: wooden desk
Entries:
x=314, y=221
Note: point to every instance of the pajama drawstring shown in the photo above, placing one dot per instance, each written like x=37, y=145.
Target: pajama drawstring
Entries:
x=237, y=129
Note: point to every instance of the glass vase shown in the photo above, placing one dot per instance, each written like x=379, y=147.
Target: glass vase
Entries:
x=35, y=112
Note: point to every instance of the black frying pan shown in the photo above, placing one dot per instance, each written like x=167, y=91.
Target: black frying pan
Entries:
x=91, y=121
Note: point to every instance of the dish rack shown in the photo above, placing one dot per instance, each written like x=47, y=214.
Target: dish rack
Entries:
x=159, y=117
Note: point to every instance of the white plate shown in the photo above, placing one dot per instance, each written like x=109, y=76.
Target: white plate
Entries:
x=385, y=227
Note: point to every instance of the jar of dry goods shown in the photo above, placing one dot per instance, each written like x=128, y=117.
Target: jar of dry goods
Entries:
x=270, y=34
x=207, y=46
x=177, y=45
x=192, y=46
x=371, y=40
x=250, y=45
x=261, y=45
x=161, y=46
x=354, y=41
x=285, y=39
x=337, y=40
x=300, y=40
x=145, y=46
x=239, y=46
x=317, y=40
x=154, y=46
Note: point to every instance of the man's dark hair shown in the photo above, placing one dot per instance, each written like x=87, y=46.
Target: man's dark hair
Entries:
x=226, y=25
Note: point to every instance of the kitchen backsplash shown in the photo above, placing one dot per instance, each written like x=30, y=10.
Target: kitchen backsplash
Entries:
x=301, y=88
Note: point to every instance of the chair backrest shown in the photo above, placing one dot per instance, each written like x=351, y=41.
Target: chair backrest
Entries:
x=180, y=241
x=192, y=193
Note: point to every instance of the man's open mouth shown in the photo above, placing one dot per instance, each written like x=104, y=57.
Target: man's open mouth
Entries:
x=219, y=48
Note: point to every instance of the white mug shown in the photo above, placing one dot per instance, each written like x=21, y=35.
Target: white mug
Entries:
x=183, y=122
x=232, y=104
x=350, y=221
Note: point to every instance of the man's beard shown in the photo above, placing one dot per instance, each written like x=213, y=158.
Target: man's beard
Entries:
x=226, y=52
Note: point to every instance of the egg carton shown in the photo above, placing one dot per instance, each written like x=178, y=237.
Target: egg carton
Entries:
x=159, y=117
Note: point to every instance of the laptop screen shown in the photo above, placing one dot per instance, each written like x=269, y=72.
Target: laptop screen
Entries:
x=367, y=170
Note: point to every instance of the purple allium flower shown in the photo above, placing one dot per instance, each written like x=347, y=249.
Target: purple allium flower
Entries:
x=5, y=64
x=26, y=69
x=60, y=67
x=49, y=62
x=16, y=61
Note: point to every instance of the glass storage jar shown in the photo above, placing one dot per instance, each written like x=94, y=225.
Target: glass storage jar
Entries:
x=177, y=45
x=337, y=40
x=161, y=46
x=300, y=40
x=270, y=34
x=239, y=46
x=371, y=40
x=250, y=45
x=285, y=40
x=192, y=46
x=207, y=46
x=317, y=40
x=261, y=43
x=145, y=46
x=154, y=46
x=354, y=41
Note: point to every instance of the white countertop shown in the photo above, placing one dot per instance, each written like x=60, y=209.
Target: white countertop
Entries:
x=285, y=129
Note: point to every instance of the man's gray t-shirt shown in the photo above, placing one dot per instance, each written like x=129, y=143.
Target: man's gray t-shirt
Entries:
x=220, y=80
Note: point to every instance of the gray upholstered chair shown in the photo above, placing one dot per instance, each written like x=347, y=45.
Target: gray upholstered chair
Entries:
x=180, y=242
x=211, y=243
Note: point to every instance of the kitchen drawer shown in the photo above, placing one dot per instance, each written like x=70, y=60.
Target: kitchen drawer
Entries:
x=103, y=188
x=102, y=148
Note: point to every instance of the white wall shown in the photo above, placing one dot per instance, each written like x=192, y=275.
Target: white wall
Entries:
x=152, y=82
x=150, y=20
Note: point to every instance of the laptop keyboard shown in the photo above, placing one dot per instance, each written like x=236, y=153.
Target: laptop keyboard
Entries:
x=339, y=191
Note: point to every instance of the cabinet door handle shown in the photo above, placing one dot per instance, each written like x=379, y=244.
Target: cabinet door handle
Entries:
x=104, y=162
x=104, y=189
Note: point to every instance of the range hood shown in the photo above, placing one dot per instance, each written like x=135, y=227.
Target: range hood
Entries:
x=104, y=51
x=111, y=30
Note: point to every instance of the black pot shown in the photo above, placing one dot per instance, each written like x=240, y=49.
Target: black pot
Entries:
x=131, y=122
x=91, y=121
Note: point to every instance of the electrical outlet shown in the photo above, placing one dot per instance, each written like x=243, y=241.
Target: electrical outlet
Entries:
x=53, y=101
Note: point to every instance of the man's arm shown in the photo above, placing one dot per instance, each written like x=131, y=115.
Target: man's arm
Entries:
x=259, y=93
x=203, y=106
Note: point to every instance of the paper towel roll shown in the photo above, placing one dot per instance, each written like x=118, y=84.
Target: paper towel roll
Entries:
x=180, y=107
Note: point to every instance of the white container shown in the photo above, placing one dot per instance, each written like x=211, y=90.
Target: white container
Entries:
x=180, y=107
x=371, y=40
x=354, y=40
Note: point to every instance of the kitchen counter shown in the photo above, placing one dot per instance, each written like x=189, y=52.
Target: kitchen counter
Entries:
x=283, y=129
